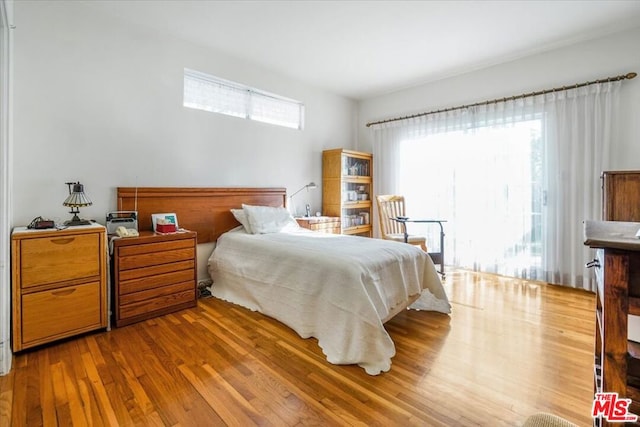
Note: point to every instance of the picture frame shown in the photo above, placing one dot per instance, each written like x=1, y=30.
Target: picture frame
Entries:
x=171, y=218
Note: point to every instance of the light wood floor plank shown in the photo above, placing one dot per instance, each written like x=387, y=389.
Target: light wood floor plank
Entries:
x=6, y=398
x=103, y=403
x=509, y=349
x=34, y=412
x=232, y=408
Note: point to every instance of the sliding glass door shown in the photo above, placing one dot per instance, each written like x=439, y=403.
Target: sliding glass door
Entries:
x=487, y=182
x=514, y=179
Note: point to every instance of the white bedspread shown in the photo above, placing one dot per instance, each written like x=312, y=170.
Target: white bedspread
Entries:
x=339, y=289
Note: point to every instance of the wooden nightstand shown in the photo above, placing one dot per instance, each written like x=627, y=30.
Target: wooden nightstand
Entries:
x=323, y=224
x=153, y=274
x=59, y=283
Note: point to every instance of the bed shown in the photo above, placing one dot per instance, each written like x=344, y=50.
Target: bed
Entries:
x=338, y=289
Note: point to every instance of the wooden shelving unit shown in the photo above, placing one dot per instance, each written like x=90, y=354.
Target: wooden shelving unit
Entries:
x=347, y=189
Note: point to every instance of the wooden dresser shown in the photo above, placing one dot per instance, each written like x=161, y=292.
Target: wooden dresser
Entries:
x=617, y=271
x=59, y=283
x=153, y=274
x=323, y=224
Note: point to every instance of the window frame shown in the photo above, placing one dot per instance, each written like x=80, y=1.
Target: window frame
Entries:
x=247, y=99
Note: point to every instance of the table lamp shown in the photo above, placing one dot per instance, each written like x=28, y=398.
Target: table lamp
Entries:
x=310, y=185
x=75, y=200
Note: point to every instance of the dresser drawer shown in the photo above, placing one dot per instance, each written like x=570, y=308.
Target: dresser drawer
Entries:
x=57, y=259
x=157, y=305
x=155, y=258
x=155, y=247
x=61, y=312
x=327, y=227
x=154, y=270
x=151, y=282
x=164, y=293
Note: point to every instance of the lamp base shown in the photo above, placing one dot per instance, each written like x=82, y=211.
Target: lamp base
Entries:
x=72, y=223
x=77, y=221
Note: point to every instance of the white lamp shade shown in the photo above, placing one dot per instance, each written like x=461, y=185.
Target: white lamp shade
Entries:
x=77, y=198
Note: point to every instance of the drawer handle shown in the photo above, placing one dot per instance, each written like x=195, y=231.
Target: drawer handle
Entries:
x=595, y=263
x=63, y=293
x=63, y=241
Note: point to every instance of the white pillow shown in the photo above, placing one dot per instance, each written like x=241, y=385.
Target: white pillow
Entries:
x=241, y=217
x=267, y=219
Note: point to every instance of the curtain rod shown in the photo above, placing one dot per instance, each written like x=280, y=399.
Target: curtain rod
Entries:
x=510, y=98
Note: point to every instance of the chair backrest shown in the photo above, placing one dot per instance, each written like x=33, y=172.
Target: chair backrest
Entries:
x=390, y=206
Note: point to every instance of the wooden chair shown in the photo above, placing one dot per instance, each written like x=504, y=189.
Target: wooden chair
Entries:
x=391, y=206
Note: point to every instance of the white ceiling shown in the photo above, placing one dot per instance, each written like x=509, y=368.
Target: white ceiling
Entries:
x=361, y=49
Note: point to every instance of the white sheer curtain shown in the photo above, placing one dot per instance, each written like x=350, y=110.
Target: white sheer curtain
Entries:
x=581, y=127
x=514, y=179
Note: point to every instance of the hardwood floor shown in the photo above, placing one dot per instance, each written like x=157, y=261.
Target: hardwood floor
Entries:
x=509, y=349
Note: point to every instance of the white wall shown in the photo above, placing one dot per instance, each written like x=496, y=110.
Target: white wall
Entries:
x=604, y=57
x=101, y=102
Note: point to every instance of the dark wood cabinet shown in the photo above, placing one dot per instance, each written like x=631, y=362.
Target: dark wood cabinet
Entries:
x=153, y=274
x=621, y=196
x=617, y=271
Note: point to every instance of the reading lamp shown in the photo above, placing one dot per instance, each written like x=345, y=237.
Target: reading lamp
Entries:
x=311, y=185
x=75, y=200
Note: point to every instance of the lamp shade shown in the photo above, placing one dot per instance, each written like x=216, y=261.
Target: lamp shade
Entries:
x=77, y=198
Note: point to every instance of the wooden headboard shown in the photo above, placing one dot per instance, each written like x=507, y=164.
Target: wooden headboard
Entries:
x=203, y=210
